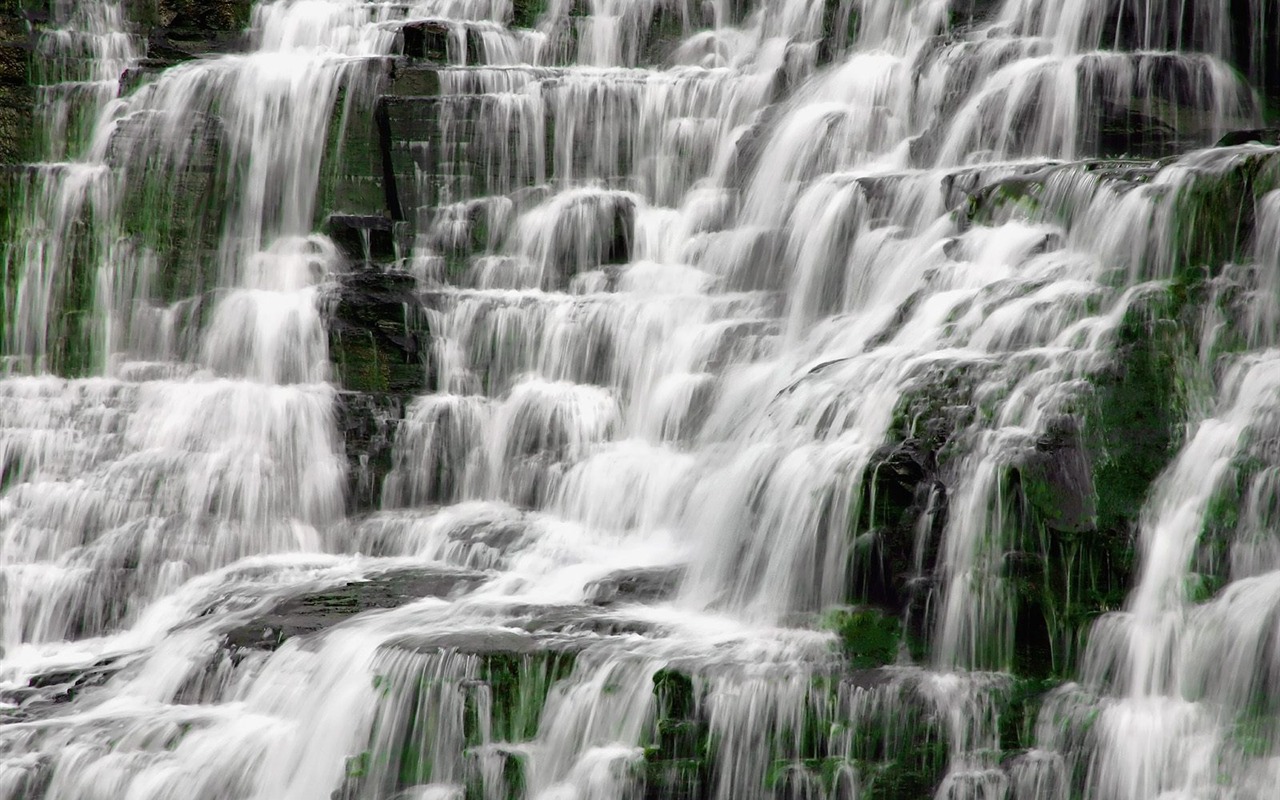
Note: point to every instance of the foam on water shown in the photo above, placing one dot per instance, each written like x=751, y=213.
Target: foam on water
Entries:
x=671, y=346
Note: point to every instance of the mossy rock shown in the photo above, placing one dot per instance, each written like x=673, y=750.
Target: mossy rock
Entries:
x=866, y=637
x=492, y=687
x=525, y=13
x=1055, y=479
x=1212, y=215
x=1077, y=495
x=679, y=756
x=376, y=334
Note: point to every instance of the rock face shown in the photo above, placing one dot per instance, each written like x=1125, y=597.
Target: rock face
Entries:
x=487, y=329
x=317, y=611
x=17, y=95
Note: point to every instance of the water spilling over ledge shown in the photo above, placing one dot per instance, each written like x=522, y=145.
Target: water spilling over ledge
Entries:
x=639, y=400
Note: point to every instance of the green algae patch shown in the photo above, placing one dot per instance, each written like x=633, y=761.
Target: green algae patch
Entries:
x=866, y=637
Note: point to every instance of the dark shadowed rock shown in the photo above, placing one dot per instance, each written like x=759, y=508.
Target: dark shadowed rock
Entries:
x=1267, y=136
x=377, y=334
x=44, y=692
x=635, y=586
x=1056, y=478
x=363, y=238
x=317, y=611
x=368, y=425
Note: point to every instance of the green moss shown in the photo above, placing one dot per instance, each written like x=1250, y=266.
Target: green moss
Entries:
x=801, y=777
x=840, y=23
x=1212, y=216
x=351, y=177
x=518, y=685
x=667, y=30
x=1019, y=708
x=359, y=365
x=679, y=755
x=1013, y=198
x=674, y=693
x=1139, y=406
x=358, y=765
x=867, y=637
x=525, y=13
x=676, y=779
x=900, y=781
x=510, y=688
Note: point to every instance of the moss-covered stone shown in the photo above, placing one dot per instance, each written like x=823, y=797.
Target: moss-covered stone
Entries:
x=444, y=703
x=1077, y=496
x=679, y=755
x=1212, y=213
x=525, y=13
x=352, y=177
x=867, y=637
x=376, y=335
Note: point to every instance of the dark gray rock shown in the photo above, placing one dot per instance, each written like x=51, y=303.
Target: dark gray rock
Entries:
x=377, y=333
x=1056, y=478
x=643, y=585
x=317, y=611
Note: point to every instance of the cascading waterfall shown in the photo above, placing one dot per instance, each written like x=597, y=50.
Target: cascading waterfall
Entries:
x=850, y=400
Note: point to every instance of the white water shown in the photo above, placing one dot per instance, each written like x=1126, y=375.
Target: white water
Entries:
x=693, y=320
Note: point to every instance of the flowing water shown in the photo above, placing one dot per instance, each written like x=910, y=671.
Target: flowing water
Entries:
x=817, y=400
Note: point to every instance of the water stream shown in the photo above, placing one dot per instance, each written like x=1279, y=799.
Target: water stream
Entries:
x=851, y=400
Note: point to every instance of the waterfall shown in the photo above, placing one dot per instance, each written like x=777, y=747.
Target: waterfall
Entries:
x=606, y=400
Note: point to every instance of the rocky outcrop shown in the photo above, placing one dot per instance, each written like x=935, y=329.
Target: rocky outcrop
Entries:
x=317, y=611
x=178, y=30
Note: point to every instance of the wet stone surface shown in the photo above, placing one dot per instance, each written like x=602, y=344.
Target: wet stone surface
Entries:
x=314, y=612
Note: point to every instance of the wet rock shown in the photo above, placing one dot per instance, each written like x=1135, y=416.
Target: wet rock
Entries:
x=1056, y=480
x=368, y=425
x=17, y=97
x=428, y=39
x=867, y=637
x=678, y=762
x=649, y=585
x=472, y=642
x=414, y=80
x=573, y=620
x=363, y=238
x=435, y=40
x=901, y=488
x=46, y=691
x=317, y=611
x=208, y=16
x=174, y=213
x=377, y=336
x=1260, y=57
x=172, y=46
x=973, y=12
x=452, y=701
x=666, y=32
x=180, y=30
x=15, y=52
x=1126, y=132
x=1267, y=136
x=481, y=542
x=525, y=13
